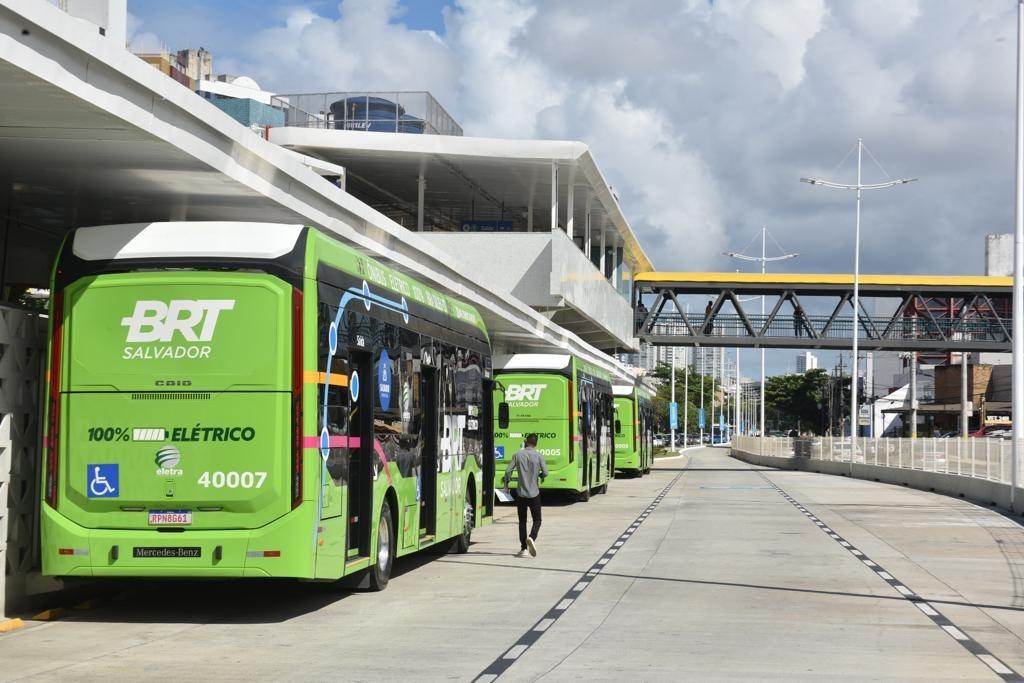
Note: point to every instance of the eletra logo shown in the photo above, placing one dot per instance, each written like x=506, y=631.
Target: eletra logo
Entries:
x=158, y=321
x=524, y=392
x=167, y=459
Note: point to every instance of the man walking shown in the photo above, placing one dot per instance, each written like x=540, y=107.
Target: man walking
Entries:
x=532, y=469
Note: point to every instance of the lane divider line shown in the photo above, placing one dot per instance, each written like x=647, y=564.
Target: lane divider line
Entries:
x=970, y=644
x=500, y=665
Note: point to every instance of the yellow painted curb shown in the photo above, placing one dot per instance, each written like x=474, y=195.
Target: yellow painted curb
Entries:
x=50, y=614
x=9, y=625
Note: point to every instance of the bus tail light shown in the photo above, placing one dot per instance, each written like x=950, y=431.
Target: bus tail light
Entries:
x=53, y=414
x=297, y=378
x=573, y=422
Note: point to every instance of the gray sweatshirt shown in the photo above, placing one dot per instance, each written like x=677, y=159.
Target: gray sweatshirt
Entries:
x=531, y=465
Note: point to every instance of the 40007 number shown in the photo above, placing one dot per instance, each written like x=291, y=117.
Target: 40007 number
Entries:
x=232, y=480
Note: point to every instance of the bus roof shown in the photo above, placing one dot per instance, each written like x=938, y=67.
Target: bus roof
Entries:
x=244, y=240
x=213, y=239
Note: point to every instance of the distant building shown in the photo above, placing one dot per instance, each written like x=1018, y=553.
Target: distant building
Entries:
x=806, y=361
x=999, y=255
x=188, y=67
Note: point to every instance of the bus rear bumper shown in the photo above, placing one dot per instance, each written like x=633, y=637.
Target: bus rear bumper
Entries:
x=283, y=548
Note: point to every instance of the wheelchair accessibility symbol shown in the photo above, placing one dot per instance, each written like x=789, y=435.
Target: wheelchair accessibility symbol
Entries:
x=103, y=481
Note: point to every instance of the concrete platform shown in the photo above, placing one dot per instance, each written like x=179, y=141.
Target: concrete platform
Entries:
x=725, y=578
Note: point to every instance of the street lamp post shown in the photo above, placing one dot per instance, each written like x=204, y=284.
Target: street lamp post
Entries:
x=859, y=187
x=764, y=259
x=1018, y=268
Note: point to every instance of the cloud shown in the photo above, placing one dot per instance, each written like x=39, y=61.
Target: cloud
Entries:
x=703, y=115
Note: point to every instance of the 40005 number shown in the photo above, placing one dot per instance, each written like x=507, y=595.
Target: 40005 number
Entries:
x=232, y=480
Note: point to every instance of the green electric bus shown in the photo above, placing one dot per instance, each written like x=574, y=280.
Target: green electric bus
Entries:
x=634, y=429
x=256, y=400
x=567, y=402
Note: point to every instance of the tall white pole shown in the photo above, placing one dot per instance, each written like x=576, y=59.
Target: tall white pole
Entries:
x=856, y=313
x=672, y=426
x=1018, y=268
x=686, y=396
x=702, y=416
x=739, y=397
x=764, y=264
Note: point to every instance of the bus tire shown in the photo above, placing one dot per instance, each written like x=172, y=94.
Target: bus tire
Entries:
x=462, y=541
x=584, y=495
x=603, y=488
x=384, y=558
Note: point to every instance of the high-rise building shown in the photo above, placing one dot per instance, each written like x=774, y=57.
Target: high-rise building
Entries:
x=806, y=361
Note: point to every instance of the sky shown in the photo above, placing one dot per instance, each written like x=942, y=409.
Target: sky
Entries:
x=702, y=114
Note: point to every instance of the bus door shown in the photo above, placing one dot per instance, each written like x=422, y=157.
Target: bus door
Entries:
x=428, y=464
x=360, y=483
x=487, y=421
x=584, y=421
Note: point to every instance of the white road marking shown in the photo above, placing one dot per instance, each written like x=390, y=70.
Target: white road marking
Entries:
x=995, y=664
x=515, y=652
x=886, y=575
x=903, y=589
x=564, y=605
x=580, y=586
x=870, y=563
x=603, y=560
x=927, y=609
x=955, y=632
x=543, y=625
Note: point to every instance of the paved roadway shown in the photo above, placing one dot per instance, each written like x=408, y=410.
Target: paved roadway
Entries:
x=724, y=578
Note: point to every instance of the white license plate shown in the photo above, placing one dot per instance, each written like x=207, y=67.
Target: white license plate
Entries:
x=172, y=517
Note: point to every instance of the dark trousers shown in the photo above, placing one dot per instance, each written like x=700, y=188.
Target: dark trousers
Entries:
x=533, y=504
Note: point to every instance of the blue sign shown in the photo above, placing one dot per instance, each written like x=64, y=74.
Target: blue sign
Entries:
x=486, y=226
x=353, y=386
x=673, y=415
x=721, y=422
x=384, y=380
x=103, y=481
x=499, y=452
x=700, y=418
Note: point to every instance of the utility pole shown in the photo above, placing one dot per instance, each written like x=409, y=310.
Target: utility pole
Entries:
x=686, y=395
x=764, y=259
x=672, y=427
x=1018, y=269
x=859, y=187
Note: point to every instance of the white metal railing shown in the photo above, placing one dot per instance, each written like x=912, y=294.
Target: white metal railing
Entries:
x=974, y=457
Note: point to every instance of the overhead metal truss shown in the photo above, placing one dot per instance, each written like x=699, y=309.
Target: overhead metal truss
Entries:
x=974, y=316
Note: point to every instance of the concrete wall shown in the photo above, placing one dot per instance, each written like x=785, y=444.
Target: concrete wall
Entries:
x=999, y=255
x=981, y=491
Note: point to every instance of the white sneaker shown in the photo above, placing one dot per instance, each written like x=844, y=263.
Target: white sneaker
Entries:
x=521, y=553
x=532, y=545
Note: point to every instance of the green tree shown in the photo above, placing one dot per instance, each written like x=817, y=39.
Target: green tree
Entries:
x=663, y=374
x=796, y=400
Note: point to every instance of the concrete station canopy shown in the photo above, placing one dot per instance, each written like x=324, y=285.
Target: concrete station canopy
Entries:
x=471, y=179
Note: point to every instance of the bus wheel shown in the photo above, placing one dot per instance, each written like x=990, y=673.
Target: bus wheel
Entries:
x=603, y=488
x=380, y=572
x=468, y=521
x=584, y=495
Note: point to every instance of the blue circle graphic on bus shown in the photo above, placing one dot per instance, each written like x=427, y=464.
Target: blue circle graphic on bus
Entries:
x=405, y=310
x=332, y=338
x=384, y=380
x=353, y=386
x=325, y=443
x=366, y=295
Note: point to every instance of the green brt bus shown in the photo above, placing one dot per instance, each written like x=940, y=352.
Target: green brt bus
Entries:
x=634, y=429
x=256, y=400
x=567, y=402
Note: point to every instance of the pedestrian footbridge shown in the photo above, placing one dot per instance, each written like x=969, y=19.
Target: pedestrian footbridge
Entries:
x=814, y=311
